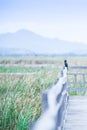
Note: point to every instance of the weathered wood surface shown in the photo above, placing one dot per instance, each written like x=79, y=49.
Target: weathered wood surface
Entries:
x=79, y=89
x=54, y=106
x=76, y=117
x=75, y=76
x=77, y=67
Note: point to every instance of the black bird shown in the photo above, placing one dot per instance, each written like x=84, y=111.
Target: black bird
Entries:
x=65, y=63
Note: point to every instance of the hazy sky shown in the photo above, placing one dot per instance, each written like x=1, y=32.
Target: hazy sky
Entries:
x=63, y=19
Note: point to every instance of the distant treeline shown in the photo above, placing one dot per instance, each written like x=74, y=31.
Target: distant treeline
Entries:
x=44, y=54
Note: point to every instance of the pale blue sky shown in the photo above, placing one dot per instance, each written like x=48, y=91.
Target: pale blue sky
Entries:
x=62, y=19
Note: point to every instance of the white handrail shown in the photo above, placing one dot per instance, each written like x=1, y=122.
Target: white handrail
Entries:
x=53, y=117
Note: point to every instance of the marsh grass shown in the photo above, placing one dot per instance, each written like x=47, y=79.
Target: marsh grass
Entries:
x=18, y=70
x=20, y=97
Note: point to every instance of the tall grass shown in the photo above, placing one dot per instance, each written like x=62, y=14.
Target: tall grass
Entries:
x=13, y=69
x=20, y=97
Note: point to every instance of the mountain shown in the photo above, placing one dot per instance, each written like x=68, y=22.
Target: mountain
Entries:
x=25, y=42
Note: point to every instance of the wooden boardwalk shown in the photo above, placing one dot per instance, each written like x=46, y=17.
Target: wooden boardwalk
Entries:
x=76, y=117
x=61, y=113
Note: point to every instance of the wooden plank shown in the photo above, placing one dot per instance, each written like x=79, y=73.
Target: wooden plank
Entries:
x=75, y=83
x=76, y=118
x=77, y=89
x=75, y=73
x=77, y=67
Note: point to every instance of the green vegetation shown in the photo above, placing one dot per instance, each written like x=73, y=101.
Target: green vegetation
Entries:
x=19, y=70
x=20, y=95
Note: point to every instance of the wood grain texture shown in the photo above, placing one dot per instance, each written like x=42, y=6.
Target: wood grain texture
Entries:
x=76, y=117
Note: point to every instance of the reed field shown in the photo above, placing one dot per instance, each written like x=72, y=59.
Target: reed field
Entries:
x=22, y=81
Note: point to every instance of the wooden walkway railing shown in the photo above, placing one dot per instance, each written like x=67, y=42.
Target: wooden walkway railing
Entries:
x=55, y=113
x=76, y=118
x=78, y=75
x=54, y=103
